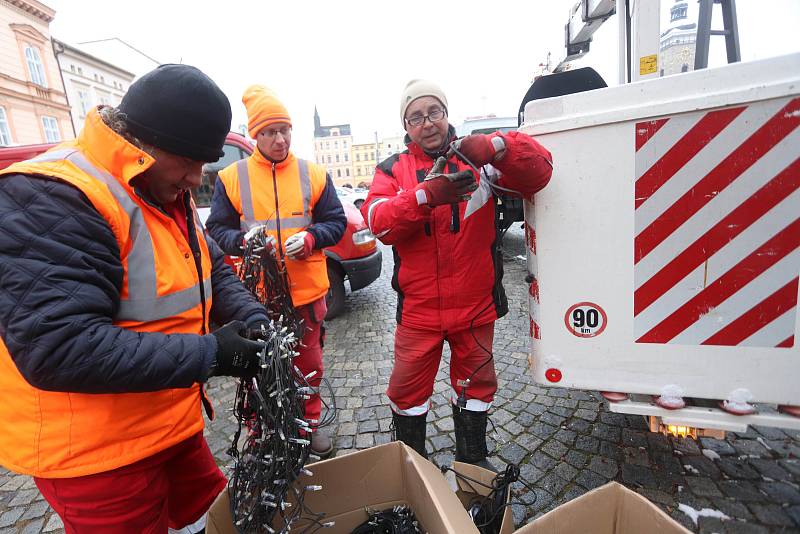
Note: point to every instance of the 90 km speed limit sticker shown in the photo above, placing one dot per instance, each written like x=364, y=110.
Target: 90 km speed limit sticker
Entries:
x=586, y=319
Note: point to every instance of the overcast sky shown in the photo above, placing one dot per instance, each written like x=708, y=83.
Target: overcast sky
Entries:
x=352, y=59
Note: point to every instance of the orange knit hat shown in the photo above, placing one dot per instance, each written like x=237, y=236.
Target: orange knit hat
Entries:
x=263, y=109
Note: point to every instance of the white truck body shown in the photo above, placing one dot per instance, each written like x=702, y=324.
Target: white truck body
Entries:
x=665, y=251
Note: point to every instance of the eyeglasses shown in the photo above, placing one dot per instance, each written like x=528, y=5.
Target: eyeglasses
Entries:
x=418, y=120
x=270, y=133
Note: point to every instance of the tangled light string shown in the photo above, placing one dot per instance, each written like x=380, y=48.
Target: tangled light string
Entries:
x=265, y=490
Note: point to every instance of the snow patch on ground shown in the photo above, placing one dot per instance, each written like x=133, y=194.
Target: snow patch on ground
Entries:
x=691, y=469
x=711, y=455
x=696, y=514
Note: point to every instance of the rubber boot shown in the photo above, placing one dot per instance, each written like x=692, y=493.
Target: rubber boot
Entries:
x=471, y=437
x=410, y=429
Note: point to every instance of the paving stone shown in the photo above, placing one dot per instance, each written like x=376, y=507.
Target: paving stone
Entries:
x=343, y=442
x=579, y=425
x=687, y=446
x=552, y=483
x=604, y=466
x=636, y=456
x=36, y=510
x=370, y=425
x=703, y=487
x=347, y=429
x=556, y=449
x=737, y=469
x=11, y=516
x=24, y=498
x=590, y=480
x=741, y=490
x=575, y=459
x=784, y=448
x=771, y=514
x=637, y=475
x=587, y=415
x=746, y=528
x=750, y=447
x=565, y=436
x=791, y=465
x=732, y=508
x=587, y=443
x=542, y=461
x=364, y=441
x=54, y=523
x=442, y=442
x=565, y=471
x=780, y=492
x=770, y=469
x=634, y=438
x=702, y=466
x=794, y=513
x=513, y=453
x=721, y=447
x=34, y=527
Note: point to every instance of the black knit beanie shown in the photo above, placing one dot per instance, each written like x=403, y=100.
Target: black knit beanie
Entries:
x=178, y=109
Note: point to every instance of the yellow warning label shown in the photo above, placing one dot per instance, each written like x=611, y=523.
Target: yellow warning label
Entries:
x=648, y=64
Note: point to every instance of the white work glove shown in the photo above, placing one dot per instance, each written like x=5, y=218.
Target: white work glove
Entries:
x=299, y=245
x=256, y=231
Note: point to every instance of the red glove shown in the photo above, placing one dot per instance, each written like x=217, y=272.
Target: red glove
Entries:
x=451, y=188
x=299, y=245
x=480, y=149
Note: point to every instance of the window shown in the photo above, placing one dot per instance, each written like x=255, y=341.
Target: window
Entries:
x=51, y=131
x=84, y=102
x=358, y=156
x=346, y=157
x=104, y=98
x=80, y=71
x=344, y=144
x=347, y=172
x=5, y=131
x=35, y=66
x=337, y=158
x=102, y=80
x=338, y=173
x=329, y=158
x=327, y=145
x=336, y=144
x=72, y=68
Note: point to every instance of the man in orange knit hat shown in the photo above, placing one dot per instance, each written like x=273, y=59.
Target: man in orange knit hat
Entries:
x=294, y=201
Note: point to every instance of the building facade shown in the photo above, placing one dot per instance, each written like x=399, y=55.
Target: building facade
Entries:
x=33, y=103
x=364, y=161
x=677, y=43
x=89, y=81
x=332, y=146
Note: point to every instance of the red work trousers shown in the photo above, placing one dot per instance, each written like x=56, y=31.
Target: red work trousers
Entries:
x=416, y=361
x=172, y=488
x=310, y=349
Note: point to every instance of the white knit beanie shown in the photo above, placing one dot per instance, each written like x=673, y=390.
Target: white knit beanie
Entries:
x=417, y=89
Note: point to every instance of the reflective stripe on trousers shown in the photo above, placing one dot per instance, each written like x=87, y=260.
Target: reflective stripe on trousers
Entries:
x=245, y=191
x=143, y=303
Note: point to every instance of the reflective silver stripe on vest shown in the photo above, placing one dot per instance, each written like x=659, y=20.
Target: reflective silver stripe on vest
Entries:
x=143, y=303
x=249, y=220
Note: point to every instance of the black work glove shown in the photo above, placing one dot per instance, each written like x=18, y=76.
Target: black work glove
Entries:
x=447, y=188
x=258, y=330
x=236, y=355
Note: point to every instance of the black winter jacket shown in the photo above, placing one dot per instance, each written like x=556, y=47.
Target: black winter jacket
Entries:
x=60, y=281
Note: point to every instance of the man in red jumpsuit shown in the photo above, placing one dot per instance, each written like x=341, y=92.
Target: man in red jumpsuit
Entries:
x=438, y=213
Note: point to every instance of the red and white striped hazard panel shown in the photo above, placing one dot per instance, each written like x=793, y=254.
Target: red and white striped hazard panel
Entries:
x=717, y=246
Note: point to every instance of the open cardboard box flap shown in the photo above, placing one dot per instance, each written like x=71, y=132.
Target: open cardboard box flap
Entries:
x=609, y=509
x=376, y=478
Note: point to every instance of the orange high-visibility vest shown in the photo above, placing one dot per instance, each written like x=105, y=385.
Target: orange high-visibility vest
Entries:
x=58, y=434
x=251, y=185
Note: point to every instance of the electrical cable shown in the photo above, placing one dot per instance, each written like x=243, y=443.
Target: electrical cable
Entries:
x=397, y=520
x=486, y=511
x=266, y=490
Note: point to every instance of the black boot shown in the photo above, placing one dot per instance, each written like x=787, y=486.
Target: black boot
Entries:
x=471, y=437
x=410, y=429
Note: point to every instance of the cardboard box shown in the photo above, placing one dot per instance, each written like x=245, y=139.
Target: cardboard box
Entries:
x=392, y=474
x=609, y=509
x=378, y=478
x=466, y=490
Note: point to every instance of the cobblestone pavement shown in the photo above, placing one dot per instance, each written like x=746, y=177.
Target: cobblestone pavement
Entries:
x=566, y=442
